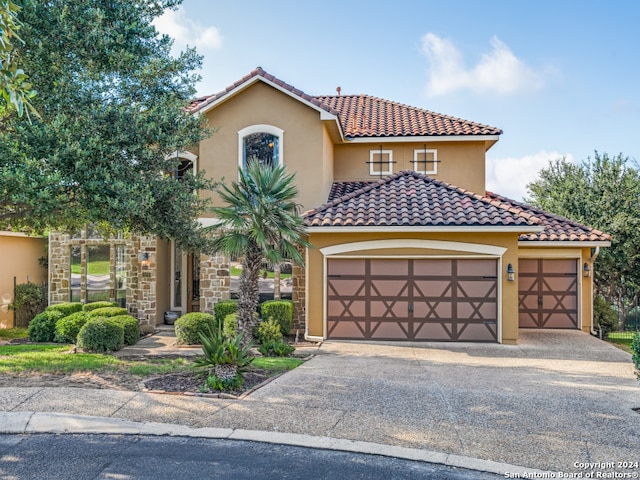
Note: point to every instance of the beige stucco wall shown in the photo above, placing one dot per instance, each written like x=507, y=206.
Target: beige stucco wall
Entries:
x=585, y=285
x=315, y=270
x=460, y=163
x=19, y=255
x=303, y=145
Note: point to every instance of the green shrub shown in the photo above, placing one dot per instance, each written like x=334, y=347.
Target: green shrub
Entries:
x=230, y=326
x=67, y=328
x=635, y=350
x=225, y=358
x=281, y=311
x=223, y=384
x=107, y=312
x=604, y=315
x=101, y=334
x=30, y=299
x=269, y=331
x=67, y=308
x=131, y=328
x=224, y=308
x=88, y=307
x=191, y=325
x=43, y=326
x=276, y=349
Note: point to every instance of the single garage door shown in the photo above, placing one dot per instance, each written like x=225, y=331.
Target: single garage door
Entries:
x=548, y=293
x=412, y=299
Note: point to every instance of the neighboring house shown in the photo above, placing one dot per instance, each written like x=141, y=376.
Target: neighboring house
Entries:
x=20, y=264
x=408, y=243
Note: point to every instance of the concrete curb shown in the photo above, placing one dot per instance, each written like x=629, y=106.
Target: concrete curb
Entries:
x=38, y=422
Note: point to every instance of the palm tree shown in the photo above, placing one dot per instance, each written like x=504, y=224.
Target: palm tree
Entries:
x=258, y=222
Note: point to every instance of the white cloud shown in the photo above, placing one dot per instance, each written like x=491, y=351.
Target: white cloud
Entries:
x=186, y=31
x=510, y=176
x=499, y=71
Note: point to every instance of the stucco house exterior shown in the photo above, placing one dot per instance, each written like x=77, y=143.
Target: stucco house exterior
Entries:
x=408, y=244
x=19, y=253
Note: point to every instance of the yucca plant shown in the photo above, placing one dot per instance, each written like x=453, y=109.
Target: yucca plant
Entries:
x=225, y=358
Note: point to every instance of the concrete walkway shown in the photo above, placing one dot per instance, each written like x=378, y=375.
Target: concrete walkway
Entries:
x=556, y=401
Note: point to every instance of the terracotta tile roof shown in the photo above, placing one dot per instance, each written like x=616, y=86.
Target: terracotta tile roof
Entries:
x=367, y=116
x=410, y=199
x=556, y=228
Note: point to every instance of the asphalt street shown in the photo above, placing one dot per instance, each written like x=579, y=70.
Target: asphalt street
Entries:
x=78, y=457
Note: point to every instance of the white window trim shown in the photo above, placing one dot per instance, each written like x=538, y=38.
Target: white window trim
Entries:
x=261, y=128
x=417, y=162
x=186, y=156
x=372, y=153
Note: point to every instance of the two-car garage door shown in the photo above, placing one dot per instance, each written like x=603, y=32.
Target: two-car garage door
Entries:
x=412, y=299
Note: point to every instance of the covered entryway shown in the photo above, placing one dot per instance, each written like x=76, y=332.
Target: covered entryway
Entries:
x=412, y=299
x=548, y=293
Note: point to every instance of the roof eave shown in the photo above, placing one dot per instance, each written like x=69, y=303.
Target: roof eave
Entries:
x=564, y=243
x=489, y=140
x=429, y=229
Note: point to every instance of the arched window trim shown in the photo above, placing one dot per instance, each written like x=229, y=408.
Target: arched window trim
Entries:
x=184, y=155
x=260, y=128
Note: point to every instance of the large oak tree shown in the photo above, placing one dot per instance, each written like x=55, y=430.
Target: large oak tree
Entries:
x=603, y=192
x=112, y=102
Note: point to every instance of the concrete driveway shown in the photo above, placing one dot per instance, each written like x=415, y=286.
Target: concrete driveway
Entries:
x=556, y=399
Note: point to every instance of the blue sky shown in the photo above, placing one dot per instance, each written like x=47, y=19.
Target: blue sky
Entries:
x=560, y=78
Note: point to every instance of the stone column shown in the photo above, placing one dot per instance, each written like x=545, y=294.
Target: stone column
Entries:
x=214, y=280
x=298, y=295
x=59, y=268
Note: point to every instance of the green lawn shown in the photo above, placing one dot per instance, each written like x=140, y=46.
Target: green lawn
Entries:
x=13, y=333
x=277, y=364
x=98, y=267
x=621, y=337
x=39, y=359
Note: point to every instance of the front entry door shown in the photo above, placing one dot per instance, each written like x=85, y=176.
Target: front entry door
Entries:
x=185, y=281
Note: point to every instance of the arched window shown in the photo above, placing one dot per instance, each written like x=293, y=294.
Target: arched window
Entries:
x=260, y=143
x=188, y=164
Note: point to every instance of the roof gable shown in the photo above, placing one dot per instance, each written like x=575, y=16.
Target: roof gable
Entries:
x=411, y=199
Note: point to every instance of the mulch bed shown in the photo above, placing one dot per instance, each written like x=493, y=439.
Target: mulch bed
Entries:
x=190, y=382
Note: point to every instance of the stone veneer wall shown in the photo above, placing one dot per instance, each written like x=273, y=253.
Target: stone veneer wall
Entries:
x=141, y=281
x=59, y=268
x=298, y=295
x=214, y=281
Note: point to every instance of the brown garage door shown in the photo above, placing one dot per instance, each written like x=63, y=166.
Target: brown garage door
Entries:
x=548, y=293
x=420, y=299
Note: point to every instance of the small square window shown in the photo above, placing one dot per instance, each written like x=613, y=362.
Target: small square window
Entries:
x=425, y=160
x=380, y=162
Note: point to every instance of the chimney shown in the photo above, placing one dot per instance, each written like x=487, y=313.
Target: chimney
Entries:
x=338, y=90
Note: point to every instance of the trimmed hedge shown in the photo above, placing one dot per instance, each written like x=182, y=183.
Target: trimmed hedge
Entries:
x=635, y=351
x=224, y=308
x=281, y=311
x=88, y=307
x=230, y=326
x=67, y=328
x=43, y=326
x=67, y=308
x=107, y=312
x=191, y=325
x=131, y=328
x=101, y=334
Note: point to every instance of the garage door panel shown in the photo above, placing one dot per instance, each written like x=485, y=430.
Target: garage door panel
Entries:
x=388, y=288
x=346, y=287
x=422, y=299
x=432, y=268
x=346, y=267
x=347, y=308
x=548, y=293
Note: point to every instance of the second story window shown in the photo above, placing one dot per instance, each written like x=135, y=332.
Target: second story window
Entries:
x=260, y=143
x=425, y=160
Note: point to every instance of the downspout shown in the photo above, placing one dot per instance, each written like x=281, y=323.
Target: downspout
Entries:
x=593, y=259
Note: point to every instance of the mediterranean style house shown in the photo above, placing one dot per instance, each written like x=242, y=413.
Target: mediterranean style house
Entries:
x=407, y=242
